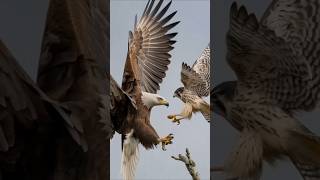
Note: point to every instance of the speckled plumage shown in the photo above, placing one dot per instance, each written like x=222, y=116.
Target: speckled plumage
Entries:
x=276, y=62
x=196, y=81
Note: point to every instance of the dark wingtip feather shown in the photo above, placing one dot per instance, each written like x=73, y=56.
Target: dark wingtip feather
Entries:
x=172, y=35
x=234, y=9
x=168, y=18
x=149, y=8
x=242, y=14
x=155, y=10
x=145, y=9
x=171, y=42
x=252, y=21
x=170, y=26
x=163, y=11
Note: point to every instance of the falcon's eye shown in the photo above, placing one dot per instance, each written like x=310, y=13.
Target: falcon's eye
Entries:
x=160, y=99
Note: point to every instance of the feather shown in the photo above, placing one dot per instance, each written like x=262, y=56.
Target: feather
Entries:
x=130, y=156
x=150, y=44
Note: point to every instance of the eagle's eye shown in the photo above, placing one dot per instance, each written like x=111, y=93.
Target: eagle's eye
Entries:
x=160, y=99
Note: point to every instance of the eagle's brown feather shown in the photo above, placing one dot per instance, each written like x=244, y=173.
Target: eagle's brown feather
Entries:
x=146, y=65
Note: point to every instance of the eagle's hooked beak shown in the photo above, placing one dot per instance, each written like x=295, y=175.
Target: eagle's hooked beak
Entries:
x=164, y=102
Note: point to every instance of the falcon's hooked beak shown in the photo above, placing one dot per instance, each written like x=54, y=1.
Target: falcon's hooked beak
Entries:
x=164, y=102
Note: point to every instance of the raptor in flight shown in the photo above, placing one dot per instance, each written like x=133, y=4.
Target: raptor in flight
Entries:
x=276, y=62
x=146, y=65
x=196, y=81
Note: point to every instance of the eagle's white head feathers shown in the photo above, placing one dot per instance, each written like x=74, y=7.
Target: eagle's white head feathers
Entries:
x=151, y=100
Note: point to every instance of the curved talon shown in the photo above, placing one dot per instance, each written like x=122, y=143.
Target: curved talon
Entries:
x=166, y=140
x=174, y=119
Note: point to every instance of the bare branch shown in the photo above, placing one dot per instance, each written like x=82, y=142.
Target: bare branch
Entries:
x=190, y=164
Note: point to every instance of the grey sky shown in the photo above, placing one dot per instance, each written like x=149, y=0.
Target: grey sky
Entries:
x=22, y=26
x=224, y=136
x=193, y=37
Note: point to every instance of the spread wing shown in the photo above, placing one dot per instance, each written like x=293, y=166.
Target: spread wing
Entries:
x=197, y=78
x=266, y=63
x=297, y=22
x=22, y=103
x=73, y=65
x=149, y=47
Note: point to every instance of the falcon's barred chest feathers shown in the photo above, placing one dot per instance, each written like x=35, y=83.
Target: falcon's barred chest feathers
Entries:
x=277, y=69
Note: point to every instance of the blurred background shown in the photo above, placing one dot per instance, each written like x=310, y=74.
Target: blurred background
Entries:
x=223, y=136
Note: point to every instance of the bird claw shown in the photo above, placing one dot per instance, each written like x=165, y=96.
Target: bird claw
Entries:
x=166, y=140
x=174, y=119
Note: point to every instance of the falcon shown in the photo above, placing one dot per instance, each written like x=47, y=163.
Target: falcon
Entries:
x=277, y=67
x=146, y=65
x=196, y=81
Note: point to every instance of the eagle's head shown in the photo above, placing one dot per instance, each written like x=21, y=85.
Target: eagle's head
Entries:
x=178, y=92
x=221, y=96
x=150, y=100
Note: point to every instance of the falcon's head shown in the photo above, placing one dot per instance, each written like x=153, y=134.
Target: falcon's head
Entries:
x=178, y=92
x=222, y=96
x=150, y=100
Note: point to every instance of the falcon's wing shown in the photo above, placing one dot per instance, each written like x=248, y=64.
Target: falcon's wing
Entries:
x=197, y=78
x=297, y=22
x=266, y=63
x=149, y=47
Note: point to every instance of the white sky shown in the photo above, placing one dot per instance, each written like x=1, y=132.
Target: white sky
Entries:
x=193, y=37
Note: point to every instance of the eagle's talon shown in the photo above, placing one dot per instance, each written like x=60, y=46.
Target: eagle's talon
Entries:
x=166, y=140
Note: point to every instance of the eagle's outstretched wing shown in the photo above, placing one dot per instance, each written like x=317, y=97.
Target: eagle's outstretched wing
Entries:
x=23, y=104
x=197, y=78
x=149, y=46
x=268, y=64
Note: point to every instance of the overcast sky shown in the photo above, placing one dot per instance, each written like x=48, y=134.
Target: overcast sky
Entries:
x=22, y=26
x=193, y=37
x=224, y=136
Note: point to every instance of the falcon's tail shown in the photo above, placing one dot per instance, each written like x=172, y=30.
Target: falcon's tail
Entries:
x=130, y=157
x=308, y=172
x=205, y=110
x=306, y=155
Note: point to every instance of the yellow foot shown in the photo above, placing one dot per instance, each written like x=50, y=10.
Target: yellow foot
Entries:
x=174, y=119
x=166, y=140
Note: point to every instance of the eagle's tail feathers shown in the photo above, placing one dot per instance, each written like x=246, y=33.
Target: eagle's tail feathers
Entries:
x=130, y=157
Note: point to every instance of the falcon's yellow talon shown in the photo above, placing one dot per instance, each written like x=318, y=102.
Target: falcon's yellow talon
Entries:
x=174, y=119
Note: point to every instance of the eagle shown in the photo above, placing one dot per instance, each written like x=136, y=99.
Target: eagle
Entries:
x=145, y=67
x=196, y=81
x=277, y=67
x=29, y=120
x=44, y=120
